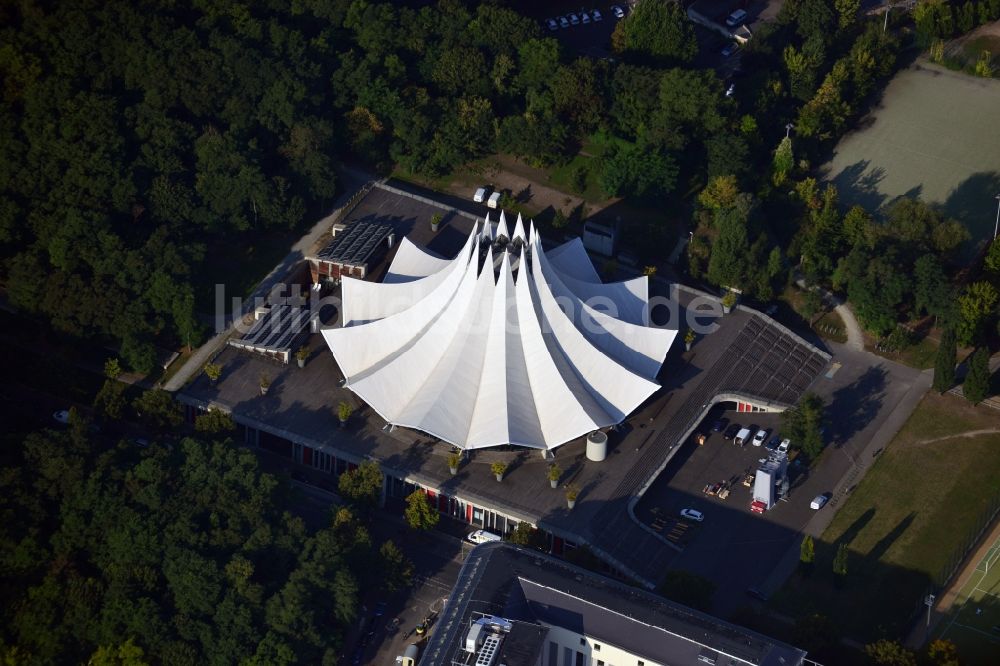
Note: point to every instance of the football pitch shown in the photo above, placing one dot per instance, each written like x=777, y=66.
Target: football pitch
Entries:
x=974, y=623
x=933, y=135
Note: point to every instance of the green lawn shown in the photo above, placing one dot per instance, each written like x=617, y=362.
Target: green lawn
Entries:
x=903, y=523
x=831, y=327
x=584, y=165
x=921, y=354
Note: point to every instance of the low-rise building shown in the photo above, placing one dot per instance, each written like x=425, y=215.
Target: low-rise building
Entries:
x=518, y=607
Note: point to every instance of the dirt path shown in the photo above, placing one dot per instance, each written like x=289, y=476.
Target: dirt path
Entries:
x=971, y=433
x=528, y=186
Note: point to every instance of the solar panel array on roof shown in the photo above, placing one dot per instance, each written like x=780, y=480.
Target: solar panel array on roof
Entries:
x=276, y=331
x=356, y=243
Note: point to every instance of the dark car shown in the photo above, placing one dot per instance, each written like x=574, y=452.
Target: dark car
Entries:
x=380, y=609
x=732, y=430
x=773, y=444
x=720, y=425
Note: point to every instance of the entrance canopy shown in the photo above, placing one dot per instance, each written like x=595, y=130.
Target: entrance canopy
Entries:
x=503, y=344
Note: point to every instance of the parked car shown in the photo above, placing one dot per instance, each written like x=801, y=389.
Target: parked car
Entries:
x=584, y=17
x=760, y=438
x=732, y=430
x=729, y=49
x=141, y=442
x=772, y=445
x=743, y=436
x=692, y=514
x=563, y=22
x=785, y=443
x=552, y=24
x=720, y=424
x=771, y=310
x=493, y=201
x=736, y=18
x=597, y=14
x=617, y=11
x=482, y=536
x=380, y=609
x=574, y=19
x=481, y=194
x=819, y=501
x=62, y=416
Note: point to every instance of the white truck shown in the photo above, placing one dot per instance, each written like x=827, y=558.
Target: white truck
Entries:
x=742, y=437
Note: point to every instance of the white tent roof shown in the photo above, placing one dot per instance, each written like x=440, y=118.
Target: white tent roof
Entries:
x=473, y=356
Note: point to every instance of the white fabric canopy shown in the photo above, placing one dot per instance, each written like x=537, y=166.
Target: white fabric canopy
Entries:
x=467, y=352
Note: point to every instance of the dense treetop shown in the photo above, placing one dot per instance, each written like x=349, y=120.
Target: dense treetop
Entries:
x=137, y=136
x=184, y=554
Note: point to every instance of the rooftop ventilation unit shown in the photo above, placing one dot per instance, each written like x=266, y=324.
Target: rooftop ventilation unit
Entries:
x=473, y=638
x=487, y=654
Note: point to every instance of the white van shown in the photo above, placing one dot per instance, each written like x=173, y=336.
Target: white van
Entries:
x=742, y=437
x=736, y=18
x=409, y=656
x=494, y=200
x=480, y=195
x=482, y=536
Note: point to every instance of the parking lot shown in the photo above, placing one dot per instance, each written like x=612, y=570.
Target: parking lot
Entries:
x=733, y=547
x=592, y=38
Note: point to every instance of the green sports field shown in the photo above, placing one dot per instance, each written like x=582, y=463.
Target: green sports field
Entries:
x=935, y=134
x=974, y=623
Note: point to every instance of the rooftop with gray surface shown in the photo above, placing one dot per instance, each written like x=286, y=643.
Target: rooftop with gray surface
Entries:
x=524, y=586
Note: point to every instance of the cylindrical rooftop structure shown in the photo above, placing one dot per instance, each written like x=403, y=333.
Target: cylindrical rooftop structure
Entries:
x=597, y=446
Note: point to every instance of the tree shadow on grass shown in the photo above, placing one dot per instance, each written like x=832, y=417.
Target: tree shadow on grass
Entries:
x=852, y=532
x=857, y=184
x=883, y=545
x=974, y=204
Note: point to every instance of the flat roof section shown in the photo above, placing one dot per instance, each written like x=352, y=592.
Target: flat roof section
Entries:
x=527, y=586
x=356, y=243
x=276, y=330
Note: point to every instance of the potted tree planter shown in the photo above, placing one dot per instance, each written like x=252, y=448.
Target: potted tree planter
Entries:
x=213, y=371
x=301, y=355
x=453, y=461
x=572, y=492
x=689, y=339
x=265, y=383
x=498, y=469
x=344, y=411
x=435, y=222
x=728, y=301
x=554, y=474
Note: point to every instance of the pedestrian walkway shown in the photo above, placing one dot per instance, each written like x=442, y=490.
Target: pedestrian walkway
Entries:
x=855, y=337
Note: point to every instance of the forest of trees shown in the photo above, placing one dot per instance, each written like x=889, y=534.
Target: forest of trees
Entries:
x=185, y=554
x=136, y=136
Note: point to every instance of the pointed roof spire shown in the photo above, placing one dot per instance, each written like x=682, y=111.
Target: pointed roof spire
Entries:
x=502, y=227
x=487, y=228
x=519, y=230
